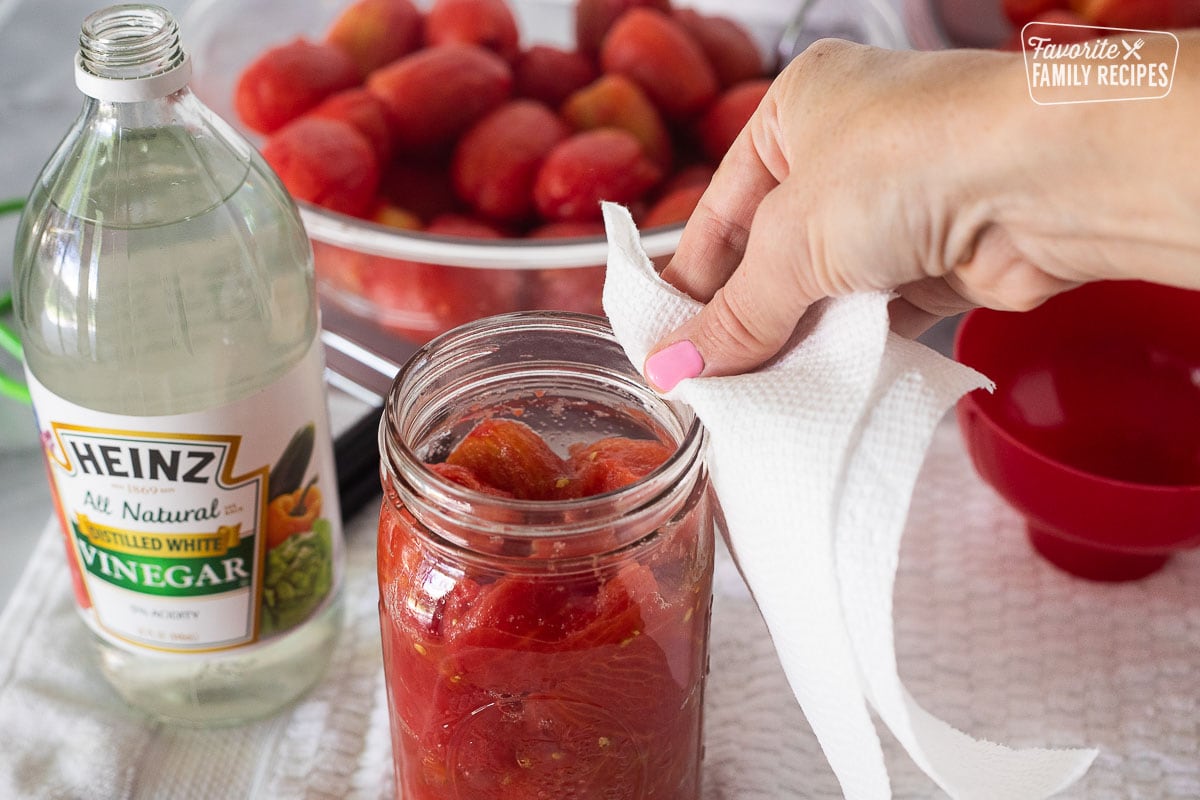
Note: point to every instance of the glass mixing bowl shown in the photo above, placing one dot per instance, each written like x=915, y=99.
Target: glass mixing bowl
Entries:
x=411, y=284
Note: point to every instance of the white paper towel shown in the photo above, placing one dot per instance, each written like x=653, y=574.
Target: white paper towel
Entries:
x=814, y=458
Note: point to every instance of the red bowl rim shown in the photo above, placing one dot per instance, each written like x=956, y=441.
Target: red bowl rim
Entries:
x=1003, y=433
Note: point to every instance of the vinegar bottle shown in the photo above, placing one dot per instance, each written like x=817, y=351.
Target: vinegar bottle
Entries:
x=165, y=295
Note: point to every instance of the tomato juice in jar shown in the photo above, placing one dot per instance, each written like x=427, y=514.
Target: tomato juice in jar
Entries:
x=542, y=648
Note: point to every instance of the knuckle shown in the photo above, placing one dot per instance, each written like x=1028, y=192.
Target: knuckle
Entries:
x=1011, y=284
x=723, y=232
x=815, y=269
x=823, y=48
x=733, y=330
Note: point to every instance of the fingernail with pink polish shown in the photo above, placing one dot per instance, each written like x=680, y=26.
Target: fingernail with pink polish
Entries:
x=672, y=364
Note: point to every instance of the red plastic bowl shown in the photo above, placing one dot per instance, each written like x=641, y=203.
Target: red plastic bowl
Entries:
x=1093, y=433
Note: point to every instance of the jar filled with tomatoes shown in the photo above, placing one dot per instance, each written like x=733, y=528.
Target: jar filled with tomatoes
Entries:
x=545, y=569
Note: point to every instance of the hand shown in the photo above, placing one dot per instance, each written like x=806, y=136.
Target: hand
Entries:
x=931, y=174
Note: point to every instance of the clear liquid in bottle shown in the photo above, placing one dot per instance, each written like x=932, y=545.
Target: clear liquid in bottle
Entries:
x=165, y=295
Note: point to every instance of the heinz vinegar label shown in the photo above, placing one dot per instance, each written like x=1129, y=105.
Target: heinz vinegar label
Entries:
x=198, y=532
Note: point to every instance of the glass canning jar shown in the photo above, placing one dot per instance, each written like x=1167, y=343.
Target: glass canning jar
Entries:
x=542, y=648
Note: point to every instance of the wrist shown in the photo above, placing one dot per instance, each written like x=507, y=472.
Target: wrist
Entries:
x=1102, y=190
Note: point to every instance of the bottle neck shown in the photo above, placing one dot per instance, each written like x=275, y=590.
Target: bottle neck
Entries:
x=131, y=53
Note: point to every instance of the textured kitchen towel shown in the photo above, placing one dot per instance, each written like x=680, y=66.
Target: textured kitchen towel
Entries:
x=814, y=457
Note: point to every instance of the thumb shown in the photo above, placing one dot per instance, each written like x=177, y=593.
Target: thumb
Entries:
x=752, y=316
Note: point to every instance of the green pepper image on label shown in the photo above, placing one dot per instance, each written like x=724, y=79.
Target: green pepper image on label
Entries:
x=299, y=575
x=299, y=566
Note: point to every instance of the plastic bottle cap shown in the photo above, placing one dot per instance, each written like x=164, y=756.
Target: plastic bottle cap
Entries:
x=132, y=90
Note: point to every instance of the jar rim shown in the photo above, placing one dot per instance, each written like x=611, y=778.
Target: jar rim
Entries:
x=402, y=468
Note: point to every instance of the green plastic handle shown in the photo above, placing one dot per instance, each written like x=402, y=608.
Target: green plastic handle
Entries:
x=9, y=341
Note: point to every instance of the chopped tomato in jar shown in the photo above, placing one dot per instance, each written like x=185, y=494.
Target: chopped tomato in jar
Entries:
x=524, y=675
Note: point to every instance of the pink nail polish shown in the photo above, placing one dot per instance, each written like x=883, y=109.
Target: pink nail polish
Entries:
x=672, y=364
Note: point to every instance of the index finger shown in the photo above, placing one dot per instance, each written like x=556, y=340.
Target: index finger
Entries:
x=715, y=236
